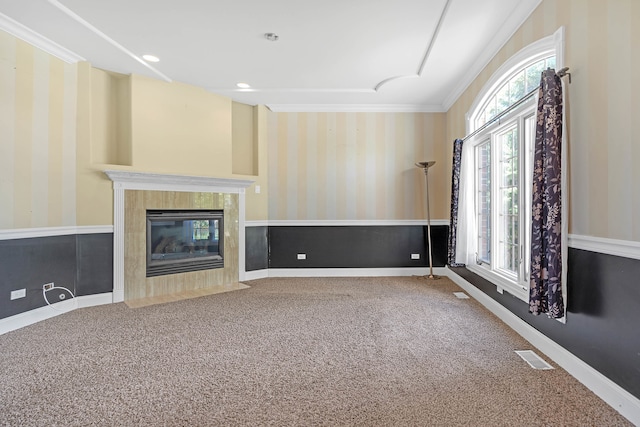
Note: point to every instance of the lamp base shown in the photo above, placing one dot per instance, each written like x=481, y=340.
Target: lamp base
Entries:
x=429, y=277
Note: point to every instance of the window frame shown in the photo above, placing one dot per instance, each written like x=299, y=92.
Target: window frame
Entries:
x=517, y=283
x=549, y=46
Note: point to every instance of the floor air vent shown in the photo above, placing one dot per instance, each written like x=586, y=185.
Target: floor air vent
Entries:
x=535, y=361
x=461, y=295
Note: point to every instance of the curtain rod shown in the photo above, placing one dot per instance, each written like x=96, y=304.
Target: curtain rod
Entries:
x=561, y=73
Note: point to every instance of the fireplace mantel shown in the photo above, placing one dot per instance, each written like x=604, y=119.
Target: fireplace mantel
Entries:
x=128, y=180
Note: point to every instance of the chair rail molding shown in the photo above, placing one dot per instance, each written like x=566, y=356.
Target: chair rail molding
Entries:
x=621, y=248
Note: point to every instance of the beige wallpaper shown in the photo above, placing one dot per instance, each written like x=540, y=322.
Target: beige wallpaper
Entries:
x=257, y=203
x=356, y=166
x=602, y=45
x=62, y=125
x=326, y=165
x=178, y=128
x=37, y=137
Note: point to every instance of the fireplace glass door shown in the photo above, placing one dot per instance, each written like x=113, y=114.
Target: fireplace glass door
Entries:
x=182, y=241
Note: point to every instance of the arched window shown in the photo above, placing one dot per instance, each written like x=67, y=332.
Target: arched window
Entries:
x=498, y=168
x=513, y=88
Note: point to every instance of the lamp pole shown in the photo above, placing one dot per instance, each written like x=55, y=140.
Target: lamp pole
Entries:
x=425, y=167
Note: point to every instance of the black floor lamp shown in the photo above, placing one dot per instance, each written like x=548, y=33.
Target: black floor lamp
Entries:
x=425, y=167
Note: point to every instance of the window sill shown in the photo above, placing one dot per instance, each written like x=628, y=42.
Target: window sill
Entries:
x=500, y=282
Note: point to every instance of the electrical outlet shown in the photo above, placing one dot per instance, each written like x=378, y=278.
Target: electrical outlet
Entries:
x=18, y=293
x=257, y=188
x=48, y=286
x=415, y=256
x=302, y=256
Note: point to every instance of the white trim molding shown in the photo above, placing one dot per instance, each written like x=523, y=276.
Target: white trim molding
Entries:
x=71, y=14
x=125, y=180
x=25, y=33
x=356, y=108
x=256, y=274
x=29, y=233
x=528, y=54
x=349, y=222
x=617, y=397
x=256, y=223
x=30, y=317
x=506, y=31
x=622, y=248
x=353, y=272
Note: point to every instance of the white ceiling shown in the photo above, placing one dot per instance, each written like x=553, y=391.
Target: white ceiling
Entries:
x=332, y=55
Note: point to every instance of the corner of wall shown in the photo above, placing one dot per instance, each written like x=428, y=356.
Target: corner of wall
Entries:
x=257, y=204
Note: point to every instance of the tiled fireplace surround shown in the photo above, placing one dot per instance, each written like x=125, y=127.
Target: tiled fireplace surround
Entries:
x=135, y=192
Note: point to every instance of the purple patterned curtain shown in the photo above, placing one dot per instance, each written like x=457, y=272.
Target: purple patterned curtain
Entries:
x=545, y=286
x=455, y=193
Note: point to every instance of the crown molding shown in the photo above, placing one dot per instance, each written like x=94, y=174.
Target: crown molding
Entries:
x=355, y=108
x=22, y=32
x=507, y=30
x=71, y=14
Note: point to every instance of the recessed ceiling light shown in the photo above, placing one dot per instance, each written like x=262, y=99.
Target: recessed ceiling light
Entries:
x=150, y=58
x=243, y=85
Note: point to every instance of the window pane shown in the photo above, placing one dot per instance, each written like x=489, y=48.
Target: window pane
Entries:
x=551, y=62
x=483, y=156
x=529, y=135
x=502, y=97
x=534, y=73
x=480, y=120
x=513, y=90
x=517, y=87
x=200, y=229
x=492, y=110
x=509, y=202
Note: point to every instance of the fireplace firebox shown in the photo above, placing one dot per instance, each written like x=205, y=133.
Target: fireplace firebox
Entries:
x=185, y=240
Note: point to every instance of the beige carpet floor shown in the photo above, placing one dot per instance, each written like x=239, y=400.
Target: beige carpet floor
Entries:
x=385, y=351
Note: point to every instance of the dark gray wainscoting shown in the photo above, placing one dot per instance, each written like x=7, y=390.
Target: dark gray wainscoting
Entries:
x=256, y=248
x=95, y=264
x=355, y=246
x=81, y=263
x=603, y=314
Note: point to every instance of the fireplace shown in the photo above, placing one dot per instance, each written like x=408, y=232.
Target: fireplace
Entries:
x=134, y=193
x=180, y=241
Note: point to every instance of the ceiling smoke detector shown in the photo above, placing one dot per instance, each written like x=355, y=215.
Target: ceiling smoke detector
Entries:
x=272, y=37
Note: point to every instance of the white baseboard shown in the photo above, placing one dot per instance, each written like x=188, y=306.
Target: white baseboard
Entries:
x=47, y=312
x=256, y=274
x=93, y=300
x=118, y=295
x=345, y=222
x=618, y=398
x=352, y=272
